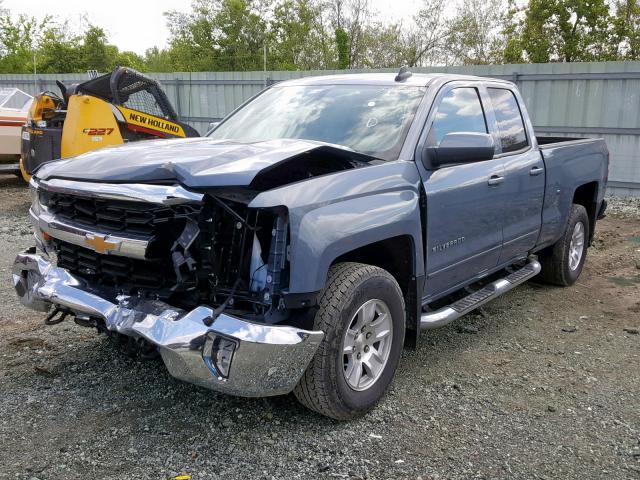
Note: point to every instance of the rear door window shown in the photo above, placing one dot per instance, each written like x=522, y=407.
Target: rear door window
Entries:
x=459, y=111
x=511, y=129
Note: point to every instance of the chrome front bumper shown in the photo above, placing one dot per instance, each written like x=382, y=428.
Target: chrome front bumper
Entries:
x=266, y=359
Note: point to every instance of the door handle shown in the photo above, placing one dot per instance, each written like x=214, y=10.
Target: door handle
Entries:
x=495, y=180
x=536, y=171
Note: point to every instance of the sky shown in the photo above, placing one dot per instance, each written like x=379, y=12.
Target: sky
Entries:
x=139, y=24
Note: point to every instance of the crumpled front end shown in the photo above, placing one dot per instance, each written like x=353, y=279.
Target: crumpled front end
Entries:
x=200, y=276
x=232, y=355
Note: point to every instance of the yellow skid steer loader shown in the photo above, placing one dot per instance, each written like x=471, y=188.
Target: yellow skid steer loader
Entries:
x=121, y=106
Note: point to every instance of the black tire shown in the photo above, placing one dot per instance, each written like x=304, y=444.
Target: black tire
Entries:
x=555, y=263
x=323, y=387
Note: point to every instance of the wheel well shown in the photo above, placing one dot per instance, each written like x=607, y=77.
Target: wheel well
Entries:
x=587, y=196
x=396, y=256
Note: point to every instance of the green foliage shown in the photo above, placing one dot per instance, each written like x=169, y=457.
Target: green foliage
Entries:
x=56, y=49
x=382, y=46
x=157, y=60
x=566, y=30
x=240, y=35
x=473, y=33
x=18, y=42
x=342, y=47
x=217, y=35
x=96, y=53
x=426, y=42
x=131, y=60
x=626, y=25
x=296, y=37
x=514, y=49
x=234, y=35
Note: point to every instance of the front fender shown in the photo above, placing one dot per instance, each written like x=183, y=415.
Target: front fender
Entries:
x=335, y=214
x=328, y=232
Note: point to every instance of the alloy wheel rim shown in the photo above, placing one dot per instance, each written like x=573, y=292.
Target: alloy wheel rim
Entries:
x=576, y=247
x=367, y=344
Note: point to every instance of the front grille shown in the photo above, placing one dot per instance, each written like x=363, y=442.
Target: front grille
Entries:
x=161, y=225
x=113, y=270
x=197, y=252
x=114, y=216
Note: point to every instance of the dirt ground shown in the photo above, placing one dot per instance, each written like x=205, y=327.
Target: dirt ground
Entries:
x=543, y=383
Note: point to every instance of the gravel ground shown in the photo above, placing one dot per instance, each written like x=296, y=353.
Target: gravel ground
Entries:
x=542, y=383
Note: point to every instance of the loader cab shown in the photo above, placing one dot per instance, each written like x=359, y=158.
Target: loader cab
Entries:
x=132, y=90
x=122, y=106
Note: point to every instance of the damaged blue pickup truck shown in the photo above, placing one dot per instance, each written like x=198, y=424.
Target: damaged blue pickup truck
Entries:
x=314, y=232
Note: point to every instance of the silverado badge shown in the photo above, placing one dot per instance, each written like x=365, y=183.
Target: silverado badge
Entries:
x=451, y=243
x=99, y=244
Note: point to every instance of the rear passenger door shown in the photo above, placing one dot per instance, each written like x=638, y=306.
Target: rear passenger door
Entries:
x=465, y=202
x=523, y=170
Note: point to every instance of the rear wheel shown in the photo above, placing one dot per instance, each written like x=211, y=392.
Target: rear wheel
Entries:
x=563, y=264
x=362, y=314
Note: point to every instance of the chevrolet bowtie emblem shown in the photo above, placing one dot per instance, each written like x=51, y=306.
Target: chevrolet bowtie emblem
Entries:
x=99, y=244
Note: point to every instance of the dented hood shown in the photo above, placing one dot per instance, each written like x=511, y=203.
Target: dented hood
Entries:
x=193, y=162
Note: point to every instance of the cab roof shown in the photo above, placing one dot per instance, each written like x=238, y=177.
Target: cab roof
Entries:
x=416, y=79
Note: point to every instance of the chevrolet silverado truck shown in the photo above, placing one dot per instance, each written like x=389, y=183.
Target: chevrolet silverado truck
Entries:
x=314, y=232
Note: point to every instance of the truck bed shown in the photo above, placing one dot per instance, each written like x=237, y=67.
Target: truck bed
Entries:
x=569, y=163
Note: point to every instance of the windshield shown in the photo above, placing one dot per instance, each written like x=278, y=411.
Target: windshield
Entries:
x=14, y=98
x=368, y=119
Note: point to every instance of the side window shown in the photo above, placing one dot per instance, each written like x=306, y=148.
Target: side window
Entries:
x=512, y=133
x=460, y=110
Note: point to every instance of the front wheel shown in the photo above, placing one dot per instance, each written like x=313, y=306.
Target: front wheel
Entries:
x=362, y=314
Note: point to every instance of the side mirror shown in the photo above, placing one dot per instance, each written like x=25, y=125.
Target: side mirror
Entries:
x=459, y=147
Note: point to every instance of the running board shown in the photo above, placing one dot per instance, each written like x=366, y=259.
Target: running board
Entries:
x=448, y=314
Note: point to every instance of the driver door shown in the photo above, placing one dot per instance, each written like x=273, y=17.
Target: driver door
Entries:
x=465, y=201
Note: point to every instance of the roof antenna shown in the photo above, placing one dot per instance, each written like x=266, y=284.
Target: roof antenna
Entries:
x=403, y=74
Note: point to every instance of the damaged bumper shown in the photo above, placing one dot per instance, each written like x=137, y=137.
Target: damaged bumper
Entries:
x=233, y=355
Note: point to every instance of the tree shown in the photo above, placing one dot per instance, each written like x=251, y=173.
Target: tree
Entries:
x=97, y=53
x=131, y=60
x=192, y=44
x=225, y=35
x=218, y=35
x=157, y=60
x=19, y=38
x=566, y=30
x=382, y=45
x=240, y=35
x=425, y=40
x=350, y=19
x=626, y=24
x=342, y=48
x=297, y=37
x=475, y=32
x=59, y=50
x=514, y=50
